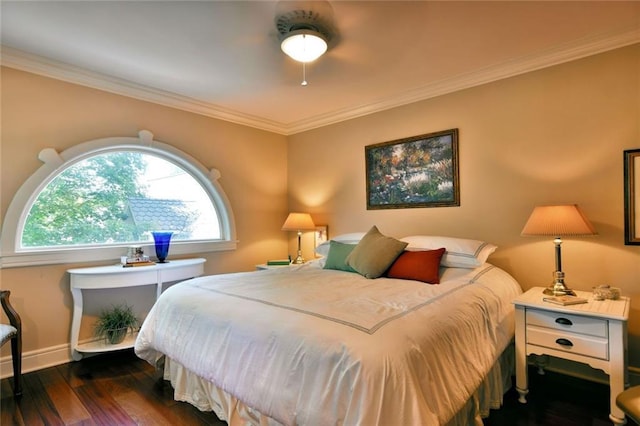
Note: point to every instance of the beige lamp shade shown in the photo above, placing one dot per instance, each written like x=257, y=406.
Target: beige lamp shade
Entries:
x=558, y=220
x=298, y=222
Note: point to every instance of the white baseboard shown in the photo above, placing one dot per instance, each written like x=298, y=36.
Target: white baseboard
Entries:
x=37, y=360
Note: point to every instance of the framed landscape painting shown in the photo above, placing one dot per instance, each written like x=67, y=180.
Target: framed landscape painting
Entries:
x=420, y=171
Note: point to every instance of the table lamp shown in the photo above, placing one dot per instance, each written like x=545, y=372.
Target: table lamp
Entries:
x=557, y=221
x=299, y=222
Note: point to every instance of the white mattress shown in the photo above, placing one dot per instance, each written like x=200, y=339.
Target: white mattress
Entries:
x=308, y=346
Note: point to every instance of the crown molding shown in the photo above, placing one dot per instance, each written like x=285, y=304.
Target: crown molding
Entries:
x=18, y=59
x=556, y=56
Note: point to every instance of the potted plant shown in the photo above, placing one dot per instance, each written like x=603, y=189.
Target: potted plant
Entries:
x=114, y=323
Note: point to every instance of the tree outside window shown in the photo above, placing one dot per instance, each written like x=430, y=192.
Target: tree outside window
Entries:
x=119, y=197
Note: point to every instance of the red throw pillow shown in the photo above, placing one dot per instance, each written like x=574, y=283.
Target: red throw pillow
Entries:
x=421, y=265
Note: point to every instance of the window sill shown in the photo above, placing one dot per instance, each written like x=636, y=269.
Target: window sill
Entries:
x=96, y=254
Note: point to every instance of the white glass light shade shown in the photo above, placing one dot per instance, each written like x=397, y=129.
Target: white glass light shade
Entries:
x=304, y=45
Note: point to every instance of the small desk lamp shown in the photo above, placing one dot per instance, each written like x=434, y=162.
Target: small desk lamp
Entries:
x=299, y=222
x=556, y=221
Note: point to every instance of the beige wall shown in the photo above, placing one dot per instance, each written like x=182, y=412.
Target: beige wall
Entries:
x=38, y=112
x=551, y=136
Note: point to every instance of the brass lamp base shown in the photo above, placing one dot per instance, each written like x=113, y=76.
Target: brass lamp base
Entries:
x=299, y=259
x=558, y=288
x=552, y=290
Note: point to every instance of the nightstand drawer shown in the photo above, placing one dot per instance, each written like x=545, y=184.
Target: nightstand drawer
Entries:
x=566, y=322
x=580, y=344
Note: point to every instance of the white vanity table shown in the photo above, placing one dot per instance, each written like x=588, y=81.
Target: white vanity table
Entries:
x=116, y=276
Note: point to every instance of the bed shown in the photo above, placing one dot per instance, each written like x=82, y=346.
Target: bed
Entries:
x=307, y=345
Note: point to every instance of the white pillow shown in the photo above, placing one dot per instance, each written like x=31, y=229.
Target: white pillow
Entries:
x=461, y=252
x=353, y=238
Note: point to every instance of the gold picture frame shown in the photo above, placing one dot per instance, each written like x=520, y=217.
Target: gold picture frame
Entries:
x=420, y=171
x=632, y=197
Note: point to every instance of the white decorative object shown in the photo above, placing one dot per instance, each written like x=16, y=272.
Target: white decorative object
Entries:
x=146, y=137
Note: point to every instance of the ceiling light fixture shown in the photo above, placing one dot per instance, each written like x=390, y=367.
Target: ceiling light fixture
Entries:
x=305, y=45
x=305, y=30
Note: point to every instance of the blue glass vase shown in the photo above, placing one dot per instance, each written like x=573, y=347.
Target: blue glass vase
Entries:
x=162, y=240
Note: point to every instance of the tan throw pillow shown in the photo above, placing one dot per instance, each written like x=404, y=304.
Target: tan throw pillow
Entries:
x=375, y=252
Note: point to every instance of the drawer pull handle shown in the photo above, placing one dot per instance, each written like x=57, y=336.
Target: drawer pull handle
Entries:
x=564, y=321
x=564, y=342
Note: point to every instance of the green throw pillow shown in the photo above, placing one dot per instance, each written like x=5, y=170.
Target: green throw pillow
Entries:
x=375, y=252
x=337, y=256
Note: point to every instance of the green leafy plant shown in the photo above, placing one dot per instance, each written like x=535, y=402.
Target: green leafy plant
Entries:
x=114, y=323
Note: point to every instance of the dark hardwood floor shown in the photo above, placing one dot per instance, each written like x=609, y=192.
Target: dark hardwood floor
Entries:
x=555, y=400
x=110, y=389
x=120, y=389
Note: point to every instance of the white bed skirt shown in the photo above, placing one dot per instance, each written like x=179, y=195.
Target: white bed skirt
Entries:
x=205, y=396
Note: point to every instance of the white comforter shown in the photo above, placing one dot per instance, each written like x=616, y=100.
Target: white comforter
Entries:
x=307, y=346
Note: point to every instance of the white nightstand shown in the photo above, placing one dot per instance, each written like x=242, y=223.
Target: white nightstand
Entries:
x=593, y=333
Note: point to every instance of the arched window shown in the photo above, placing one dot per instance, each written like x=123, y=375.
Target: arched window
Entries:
x=93, y=201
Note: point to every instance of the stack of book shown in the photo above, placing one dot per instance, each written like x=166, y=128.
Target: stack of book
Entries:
x=565, y=300
x=278, y=262
x=128, y=262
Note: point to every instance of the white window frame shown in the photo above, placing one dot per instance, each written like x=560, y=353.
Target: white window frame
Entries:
x=13, y=255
